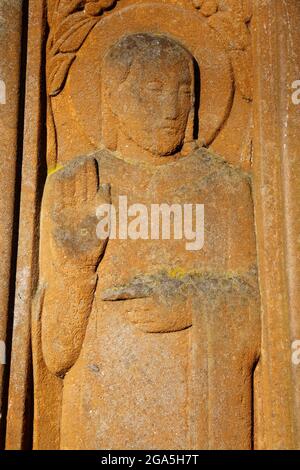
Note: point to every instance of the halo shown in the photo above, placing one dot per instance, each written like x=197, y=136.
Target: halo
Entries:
x=184, y=26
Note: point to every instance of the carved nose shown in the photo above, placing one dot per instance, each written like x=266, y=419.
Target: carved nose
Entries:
x=170, y=108
x=171, y=116
x=171, y=113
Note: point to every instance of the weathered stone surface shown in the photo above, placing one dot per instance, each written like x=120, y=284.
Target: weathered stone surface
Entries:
x=276, y=189
x=19, y=403
x=146, y=342
x=125, y=384
x=10, y=65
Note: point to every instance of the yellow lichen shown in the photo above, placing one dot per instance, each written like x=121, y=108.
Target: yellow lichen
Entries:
x=177, y=273
x=51, y=171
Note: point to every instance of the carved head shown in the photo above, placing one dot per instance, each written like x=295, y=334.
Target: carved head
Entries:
x=148, y=94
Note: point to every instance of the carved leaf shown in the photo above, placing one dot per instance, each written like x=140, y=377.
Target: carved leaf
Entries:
x=60, y=9
x=73, y=37
x=95, y=7
x=59, y=66
x=67, y=24
x=67, y=7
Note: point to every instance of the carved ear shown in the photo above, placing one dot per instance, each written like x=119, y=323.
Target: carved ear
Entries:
x=189, y=140
x=109, y=122
x=189, y=133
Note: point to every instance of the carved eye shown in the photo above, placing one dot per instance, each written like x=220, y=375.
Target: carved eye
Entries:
x=154, y=86
x=185, y=90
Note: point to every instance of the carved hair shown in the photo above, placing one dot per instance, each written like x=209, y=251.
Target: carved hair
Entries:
x=116, y=67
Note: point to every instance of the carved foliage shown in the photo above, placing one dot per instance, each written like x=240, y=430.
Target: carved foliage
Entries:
x=72, y=20
x=207, y=7
x=230, y=19
x=70, y=23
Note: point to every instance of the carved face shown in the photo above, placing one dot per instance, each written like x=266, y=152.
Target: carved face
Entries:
x=153, y=102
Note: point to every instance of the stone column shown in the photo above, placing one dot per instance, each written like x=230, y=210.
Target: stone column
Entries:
x=18, y=434
x=11, y=12
x=277, y=200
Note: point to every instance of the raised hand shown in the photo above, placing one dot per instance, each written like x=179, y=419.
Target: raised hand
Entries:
x=71, y=198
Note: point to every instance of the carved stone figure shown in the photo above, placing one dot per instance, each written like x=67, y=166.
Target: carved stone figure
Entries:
x=155, y=345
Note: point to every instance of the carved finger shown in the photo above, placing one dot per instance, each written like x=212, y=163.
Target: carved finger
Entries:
x=92, y=180
x=104, y=192
x=81, y=181
x=55, y=191
x=63, y=187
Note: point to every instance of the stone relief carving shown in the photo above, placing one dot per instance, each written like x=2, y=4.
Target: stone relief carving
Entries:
x=70, y=23
x=232, y=21
x=155, y=346
x=70, y=28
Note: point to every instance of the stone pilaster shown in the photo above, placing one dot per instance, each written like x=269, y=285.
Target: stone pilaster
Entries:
x=11, y=13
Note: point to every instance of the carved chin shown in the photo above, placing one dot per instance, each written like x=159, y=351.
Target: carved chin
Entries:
x=164, y=145
x=164, y=151
x=165, y=148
